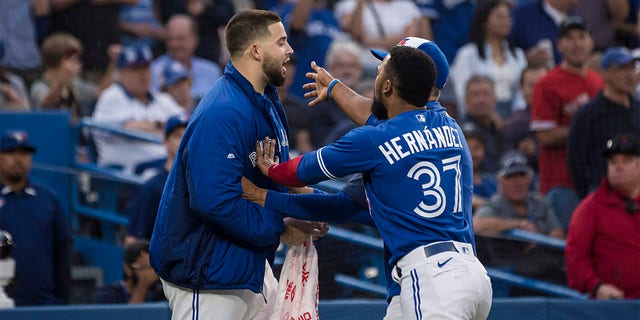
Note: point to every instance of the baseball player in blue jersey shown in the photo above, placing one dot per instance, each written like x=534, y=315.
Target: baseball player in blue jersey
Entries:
x=209, y=246
x=352, y=198
x=411, y=166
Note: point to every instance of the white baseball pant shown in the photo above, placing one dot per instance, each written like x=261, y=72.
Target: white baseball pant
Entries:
x=191, y=304
x=443, y=280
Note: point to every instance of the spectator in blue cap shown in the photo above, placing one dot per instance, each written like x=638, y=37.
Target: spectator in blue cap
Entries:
x=615, y=110
x=131, y=103
x=143, y=207
x=177, y=83
x=27, y=209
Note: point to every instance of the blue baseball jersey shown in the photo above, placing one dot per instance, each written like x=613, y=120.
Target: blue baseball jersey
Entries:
x=416, y=171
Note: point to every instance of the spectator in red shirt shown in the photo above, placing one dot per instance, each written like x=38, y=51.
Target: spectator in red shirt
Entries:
x=603, y=245
x=556, y=97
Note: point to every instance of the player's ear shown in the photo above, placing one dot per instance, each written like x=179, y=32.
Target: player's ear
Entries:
x=387, y=88
x=255, y=51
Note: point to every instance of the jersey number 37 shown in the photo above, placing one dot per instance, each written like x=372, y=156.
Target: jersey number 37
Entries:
x=433, y=188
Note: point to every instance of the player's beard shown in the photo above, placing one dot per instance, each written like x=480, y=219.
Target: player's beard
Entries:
x=379, y=110
x=272, y=68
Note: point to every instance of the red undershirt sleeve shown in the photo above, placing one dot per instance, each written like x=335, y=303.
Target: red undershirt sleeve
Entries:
x=286, y=173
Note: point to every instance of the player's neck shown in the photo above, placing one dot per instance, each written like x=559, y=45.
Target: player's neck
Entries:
x=396, y=106
x=252, y=72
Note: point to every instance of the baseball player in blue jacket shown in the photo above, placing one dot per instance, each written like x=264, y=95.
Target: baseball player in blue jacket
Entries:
x=209, y=246
x=411, y=166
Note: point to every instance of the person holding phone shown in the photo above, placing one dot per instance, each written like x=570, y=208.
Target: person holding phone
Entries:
x=61, y=86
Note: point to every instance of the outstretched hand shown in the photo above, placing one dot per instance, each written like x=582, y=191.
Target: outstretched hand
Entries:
x=265, y=152
x=317, y=90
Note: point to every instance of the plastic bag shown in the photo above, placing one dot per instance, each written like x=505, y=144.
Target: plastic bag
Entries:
x=298, y=284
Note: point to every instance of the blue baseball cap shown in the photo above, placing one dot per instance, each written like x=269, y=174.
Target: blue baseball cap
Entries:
x=512, y=162
x=14, y=140
x=174, y=72
x=618, y=56
x=175, y=122
x=134, y=56
x=428, y=47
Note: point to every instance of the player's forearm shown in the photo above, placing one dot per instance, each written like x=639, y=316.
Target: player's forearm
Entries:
x=329, y=207
x=354, y=105
x=364, y=217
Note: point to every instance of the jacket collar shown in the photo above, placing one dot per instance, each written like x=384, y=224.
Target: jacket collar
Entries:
x=29, y=190
x=257, y=99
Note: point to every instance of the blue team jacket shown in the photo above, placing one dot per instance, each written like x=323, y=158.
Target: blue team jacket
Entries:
x=206, y=236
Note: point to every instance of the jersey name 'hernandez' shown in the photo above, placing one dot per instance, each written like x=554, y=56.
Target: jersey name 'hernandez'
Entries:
x=411, y=169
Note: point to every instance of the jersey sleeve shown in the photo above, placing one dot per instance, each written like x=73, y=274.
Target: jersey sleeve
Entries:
x=330, y=207
x=353, y=153
x=215, y=165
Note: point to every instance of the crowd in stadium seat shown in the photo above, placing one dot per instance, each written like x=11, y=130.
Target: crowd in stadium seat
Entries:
x=552, y=79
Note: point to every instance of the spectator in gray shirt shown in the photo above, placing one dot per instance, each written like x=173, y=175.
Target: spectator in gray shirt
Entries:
x=515, y=206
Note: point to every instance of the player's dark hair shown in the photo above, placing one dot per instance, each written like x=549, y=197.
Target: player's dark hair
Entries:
x=412, y=73
x=479, y=22
x=247, y=26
